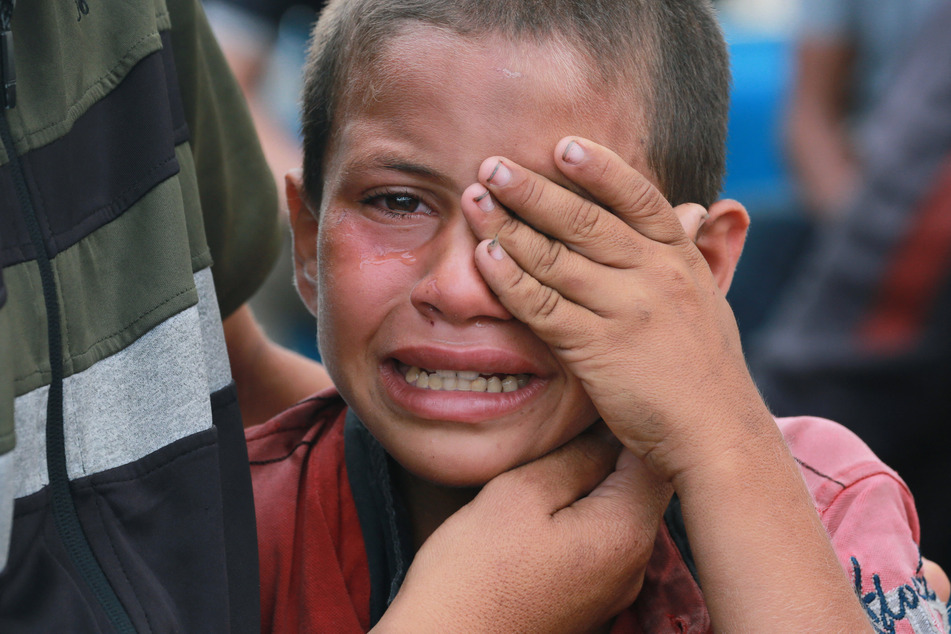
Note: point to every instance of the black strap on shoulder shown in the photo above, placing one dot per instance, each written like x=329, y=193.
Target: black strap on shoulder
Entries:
x=674, y=519
x=387, y=535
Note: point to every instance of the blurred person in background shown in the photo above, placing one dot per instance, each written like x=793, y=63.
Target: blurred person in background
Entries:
x=863, y=335
x=252, y=34
x=845, y=55
x=264, y=43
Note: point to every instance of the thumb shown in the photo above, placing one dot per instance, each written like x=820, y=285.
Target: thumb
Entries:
x=558, y=479
x=632, y=494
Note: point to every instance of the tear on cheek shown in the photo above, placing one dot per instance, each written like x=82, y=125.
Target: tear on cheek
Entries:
x=379, y=242
x=405, y=257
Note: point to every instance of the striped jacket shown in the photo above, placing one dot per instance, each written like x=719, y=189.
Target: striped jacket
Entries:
x=128, y=164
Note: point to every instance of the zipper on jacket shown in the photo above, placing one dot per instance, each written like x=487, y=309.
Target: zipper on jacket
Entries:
x=8, y=76
x=65, y=517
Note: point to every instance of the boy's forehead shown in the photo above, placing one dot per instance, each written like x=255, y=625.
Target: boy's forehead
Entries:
x=488, y=88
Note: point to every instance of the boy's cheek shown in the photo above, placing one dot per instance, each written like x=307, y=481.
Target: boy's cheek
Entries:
x=368, y=263
x=376, y=241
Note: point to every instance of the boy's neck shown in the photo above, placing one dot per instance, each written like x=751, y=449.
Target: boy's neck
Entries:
x=428, y=504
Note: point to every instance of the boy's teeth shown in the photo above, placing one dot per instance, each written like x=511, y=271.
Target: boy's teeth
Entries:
x=464, y=381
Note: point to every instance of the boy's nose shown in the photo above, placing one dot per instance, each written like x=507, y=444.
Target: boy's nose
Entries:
x=453, y=289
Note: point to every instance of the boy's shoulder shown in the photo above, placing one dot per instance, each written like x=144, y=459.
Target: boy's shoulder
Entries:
x=299, y=450
x=299, y=426
x=870, y=517
x=832, y=458
x=314, y=574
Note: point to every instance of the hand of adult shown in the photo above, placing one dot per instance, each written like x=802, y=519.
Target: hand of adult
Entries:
x=560, y=544
x=603, y=271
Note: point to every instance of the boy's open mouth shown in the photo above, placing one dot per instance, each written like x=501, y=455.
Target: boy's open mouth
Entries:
x=462, y=380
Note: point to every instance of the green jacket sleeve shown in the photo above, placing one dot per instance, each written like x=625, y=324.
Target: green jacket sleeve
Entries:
x=236, y=189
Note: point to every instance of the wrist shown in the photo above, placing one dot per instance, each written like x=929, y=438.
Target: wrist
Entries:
x=721, y=444
x=754, y=532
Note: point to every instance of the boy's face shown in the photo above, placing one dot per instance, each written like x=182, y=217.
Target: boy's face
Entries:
x=397, y=287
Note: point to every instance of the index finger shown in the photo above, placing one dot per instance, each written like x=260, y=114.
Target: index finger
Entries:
x=619, y=187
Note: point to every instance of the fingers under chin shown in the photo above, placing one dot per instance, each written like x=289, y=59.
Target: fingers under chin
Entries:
x=559, y=478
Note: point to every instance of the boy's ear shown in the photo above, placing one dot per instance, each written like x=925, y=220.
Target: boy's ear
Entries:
x=721, y=239
x=304, y=226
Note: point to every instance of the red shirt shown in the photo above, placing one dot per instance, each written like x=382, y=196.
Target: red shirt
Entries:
x=316, y=571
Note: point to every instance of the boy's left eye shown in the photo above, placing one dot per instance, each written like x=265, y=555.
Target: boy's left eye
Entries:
x=397, y=204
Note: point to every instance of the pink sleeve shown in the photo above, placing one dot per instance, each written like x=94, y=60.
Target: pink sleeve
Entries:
x=873, y=527
x=870, y=516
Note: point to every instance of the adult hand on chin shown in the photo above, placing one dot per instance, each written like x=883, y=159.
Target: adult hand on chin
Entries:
x=559, y=544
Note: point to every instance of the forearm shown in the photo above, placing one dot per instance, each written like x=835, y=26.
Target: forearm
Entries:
x=763, y=556
x=269, y=378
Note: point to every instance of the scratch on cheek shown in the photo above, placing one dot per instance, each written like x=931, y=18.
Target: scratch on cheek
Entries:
x=433, y=290
x=330, y=220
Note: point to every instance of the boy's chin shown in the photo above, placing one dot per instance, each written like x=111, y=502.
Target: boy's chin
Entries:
x=456, y=474
x=458, y=478
x=469, y=464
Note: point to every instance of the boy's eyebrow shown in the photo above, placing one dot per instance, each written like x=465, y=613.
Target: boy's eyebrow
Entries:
x=398, y=164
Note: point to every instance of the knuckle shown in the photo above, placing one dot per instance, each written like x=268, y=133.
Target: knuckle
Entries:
x=547, y=303
x=550, y=259
x=510, y=226
x=542, y=301
x=521, y=281
x=585, y=221
x=640, y=312
x=642, y=197
x=678, y=281
x=604, y=174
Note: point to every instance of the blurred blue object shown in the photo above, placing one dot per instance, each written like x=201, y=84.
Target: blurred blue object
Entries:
x=757, y=174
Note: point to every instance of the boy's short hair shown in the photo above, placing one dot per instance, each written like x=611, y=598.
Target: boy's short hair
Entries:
x=670, y=54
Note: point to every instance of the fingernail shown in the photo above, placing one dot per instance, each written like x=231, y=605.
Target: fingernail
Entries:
x=484, y=201
x=500, y=175
x=573, y=153
x=495, y=249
